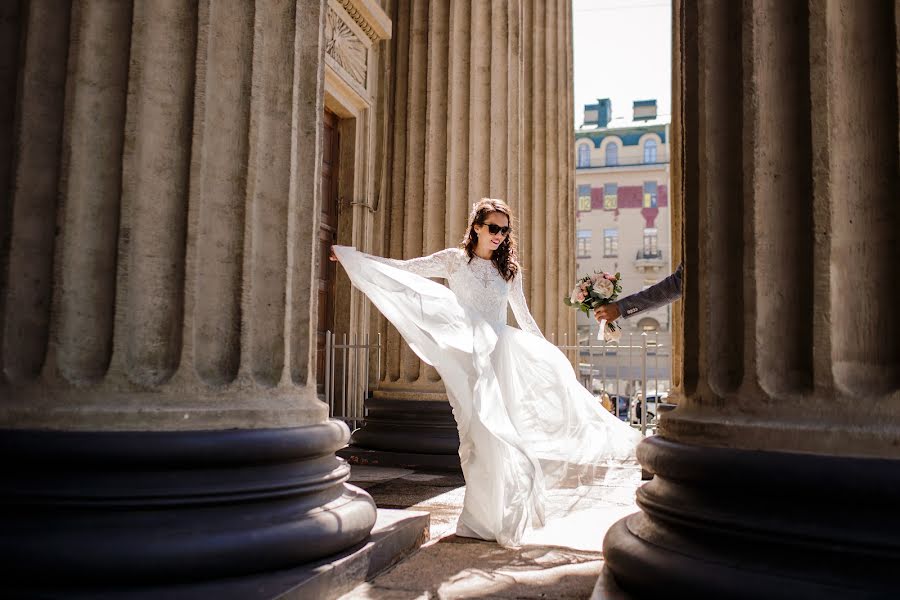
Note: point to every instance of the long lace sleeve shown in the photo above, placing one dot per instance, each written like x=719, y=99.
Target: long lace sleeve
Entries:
x=439, y=264
x=520, y=307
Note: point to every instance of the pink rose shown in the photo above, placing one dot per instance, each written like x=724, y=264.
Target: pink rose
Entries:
x=573, y=297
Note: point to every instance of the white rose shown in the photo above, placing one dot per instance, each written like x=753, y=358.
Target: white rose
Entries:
x=574, y=295
x=605, y=288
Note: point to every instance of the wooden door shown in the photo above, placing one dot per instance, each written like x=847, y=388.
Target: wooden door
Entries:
x=328, y=221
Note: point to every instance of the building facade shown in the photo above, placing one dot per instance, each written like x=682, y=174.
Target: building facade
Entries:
x=623, y=224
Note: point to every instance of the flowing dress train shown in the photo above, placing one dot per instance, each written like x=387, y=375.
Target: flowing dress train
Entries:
x=533, y=441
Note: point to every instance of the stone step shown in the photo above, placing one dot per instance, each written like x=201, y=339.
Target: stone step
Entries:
x=397, y=533
x=407, y=460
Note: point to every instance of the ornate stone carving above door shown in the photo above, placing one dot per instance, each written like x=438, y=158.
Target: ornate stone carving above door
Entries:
x=345, y=47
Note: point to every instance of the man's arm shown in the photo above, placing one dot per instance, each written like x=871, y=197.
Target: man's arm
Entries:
x=659, y=294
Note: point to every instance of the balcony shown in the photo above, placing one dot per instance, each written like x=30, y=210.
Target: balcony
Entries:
x=646, y=260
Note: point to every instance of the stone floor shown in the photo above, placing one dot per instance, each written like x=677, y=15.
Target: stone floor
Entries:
x=450, y=567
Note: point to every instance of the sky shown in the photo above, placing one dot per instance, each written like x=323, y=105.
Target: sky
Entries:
x=622, y=51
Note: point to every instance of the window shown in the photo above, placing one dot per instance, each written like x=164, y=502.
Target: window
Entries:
x=648, y=324
x=649, y=194
x=651, y=243
x=584, y=197
x=612, y=154
x=610, y=242
x=650, y=151
x=583, y=237
x=610, y=196
x=584, y=155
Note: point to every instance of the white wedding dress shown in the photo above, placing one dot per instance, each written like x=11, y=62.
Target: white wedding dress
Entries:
x=533, y=441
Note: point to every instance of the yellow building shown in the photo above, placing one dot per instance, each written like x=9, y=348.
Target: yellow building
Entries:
x=623, y=222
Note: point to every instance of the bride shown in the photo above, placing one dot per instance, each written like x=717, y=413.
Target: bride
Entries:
x=527, y=428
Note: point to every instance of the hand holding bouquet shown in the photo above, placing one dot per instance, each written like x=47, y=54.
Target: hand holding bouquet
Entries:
x=596, y=290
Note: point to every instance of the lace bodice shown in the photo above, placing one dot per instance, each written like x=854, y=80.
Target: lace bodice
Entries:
x=477, y=285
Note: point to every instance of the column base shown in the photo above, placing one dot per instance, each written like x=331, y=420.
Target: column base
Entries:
x=408, y=427
x=134, y=510
x=397, y=534
x=728, y=523
x=403, y=460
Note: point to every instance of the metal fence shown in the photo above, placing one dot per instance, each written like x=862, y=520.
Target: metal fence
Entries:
x=635, y=360
x=351, y=358
x=602, y=367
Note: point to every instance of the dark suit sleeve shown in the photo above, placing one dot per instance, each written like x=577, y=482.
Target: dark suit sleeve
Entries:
x=662, y=293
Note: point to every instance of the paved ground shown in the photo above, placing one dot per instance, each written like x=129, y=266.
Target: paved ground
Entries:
x=449, y=567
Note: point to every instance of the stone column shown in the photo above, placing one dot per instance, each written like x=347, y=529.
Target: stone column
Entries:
x=777, y=475
x=480, y=99
x=158, y=408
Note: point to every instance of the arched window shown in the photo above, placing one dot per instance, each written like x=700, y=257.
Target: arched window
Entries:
x=584, y=155
x=612, y=154
x=650, y=151
x=648, y=324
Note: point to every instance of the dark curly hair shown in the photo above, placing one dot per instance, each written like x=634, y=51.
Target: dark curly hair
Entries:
x=504, y=257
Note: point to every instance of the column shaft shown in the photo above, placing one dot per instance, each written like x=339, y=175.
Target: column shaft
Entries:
x=550, y=275
x=155, y=190
x=862, y=185
x=35, y=178
x=785, y=176
x=722, y=258
x=156, y=312
x=219, y=192
x=465, y=127
x=434, y=192
x=539, y=199
x=92, y=183
x=778, y=188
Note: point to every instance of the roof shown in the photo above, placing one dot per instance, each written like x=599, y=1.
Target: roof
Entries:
x=620, y=123
x=629, y=131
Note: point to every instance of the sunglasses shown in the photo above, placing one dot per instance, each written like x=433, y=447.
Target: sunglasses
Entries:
x=495, y=229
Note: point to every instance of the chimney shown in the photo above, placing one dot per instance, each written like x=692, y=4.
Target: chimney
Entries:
x=599, y=114
x=644, y=110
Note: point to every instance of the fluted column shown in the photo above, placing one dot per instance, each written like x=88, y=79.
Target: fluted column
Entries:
x=473, y=114
x=787, y=421
x=157, y=306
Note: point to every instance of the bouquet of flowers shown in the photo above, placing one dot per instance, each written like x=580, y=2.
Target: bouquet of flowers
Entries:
x=596, y=290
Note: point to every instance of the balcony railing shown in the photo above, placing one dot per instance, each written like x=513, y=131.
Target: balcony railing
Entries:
x=662, y=158
x=649, y=259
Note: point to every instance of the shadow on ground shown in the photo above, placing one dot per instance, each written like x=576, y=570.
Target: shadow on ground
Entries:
x=458, y=567
x=404, y=492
